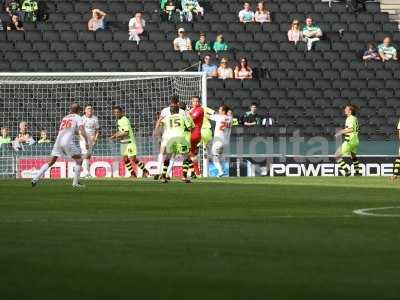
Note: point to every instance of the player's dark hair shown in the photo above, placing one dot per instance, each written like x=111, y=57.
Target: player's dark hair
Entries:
x=119, y=108
x=174, y=109
x=225, y=108
x=196, y=97
x=174, y=100
x=254, y=104
x=182, y=105
x=75, y=108
x=353, y=108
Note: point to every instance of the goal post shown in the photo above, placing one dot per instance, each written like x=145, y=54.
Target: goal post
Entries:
x=42, y=99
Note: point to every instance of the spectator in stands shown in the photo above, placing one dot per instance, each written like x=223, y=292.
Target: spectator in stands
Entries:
x=312, y=33
x=295, y=35
x=246, y=15
x=136, y=27
x=386, y=50
x=1, y=25
x=15, y=24
x=190, y=7
x=251, y=118
x=182, y=42
x=371, y=53
x=97, y=20
x=170, y=10
x=202, y=44
x=5, y=136
x=220, y=44
x=13, y=7
x=209, y=67
x=30, y=9
x=44, y=139
x=243, y=71
x=224, y=71
x=23, y=138
x=262, y=15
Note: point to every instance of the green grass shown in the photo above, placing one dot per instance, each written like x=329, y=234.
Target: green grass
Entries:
x=260, y=238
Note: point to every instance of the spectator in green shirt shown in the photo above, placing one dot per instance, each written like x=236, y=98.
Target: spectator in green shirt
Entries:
x=220, y=44
x=311, y=33
x=202, y=44
x=30, y=8
x=5, y=136
x=386, y=50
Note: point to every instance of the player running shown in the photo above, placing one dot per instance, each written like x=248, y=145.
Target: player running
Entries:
x=396, y=169
x=65, y=146
x=197, y=115
x=222, y=133
x=175, y=140
x=92, y=129
x=126, y=137
x=351, y=142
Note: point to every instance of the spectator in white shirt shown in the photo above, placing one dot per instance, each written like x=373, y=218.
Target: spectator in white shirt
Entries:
x=136, y=27
x=182, y=42
x=262, y=14
x=224, y=71
x=97, y=20
x=246, y=15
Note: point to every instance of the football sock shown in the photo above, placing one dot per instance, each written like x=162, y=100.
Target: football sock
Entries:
x=343, y=166
x=396, y=170
x=42, y=170
x=160, y=163
x=217, y=164
x=128, y=165
x=77, y=173
x=356, y=165
x=140, y=164
x=186, y=165
x=85, y=166
x=171, y=166
x=165, y=168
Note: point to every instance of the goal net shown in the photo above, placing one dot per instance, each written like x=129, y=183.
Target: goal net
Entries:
x=38, y=102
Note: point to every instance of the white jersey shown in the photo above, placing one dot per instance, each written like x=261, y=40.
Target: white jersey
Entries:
x=68, y=128
x=91, y=125
x=223, y=127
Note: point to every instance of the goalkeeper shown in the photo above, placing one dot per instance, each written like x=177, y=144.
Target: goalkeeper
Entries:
x=126, y=138
x=176, y=141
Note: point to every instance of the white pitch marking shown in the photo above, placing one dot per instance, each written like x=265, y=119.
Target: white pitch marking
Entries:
x=367, y=212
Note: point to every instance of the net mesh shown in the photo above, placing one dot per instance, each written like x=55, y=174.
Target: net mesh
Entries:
x=42, y=101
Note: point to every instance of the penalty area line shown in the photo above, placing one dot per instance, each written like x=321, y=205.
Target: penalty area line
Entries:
x=371, y=212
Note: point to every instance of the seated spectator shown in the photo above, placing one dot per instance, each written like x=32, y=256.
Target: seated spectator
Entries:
x=243, y=71
x=251, y=118
x=311, y=33
x=136, y=27
x=190, y=7
x=23, y=137
x=371, y=53
x=386, y=50
x=30, y=9
x=170, y=10
x=97, y=20
x=235, y=121
x=15, y=24
x=262, y=15
x=220, y=44
x=295, y=35
x=13, y=7
x=5, y=136
x=202, y=44
x=224, y=71
x=44, y=137
x=246, y=15
x=182, y=42
x=209, y=67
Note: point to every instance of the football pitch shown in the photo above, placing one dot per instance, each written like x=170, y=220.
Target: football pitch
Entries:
x=252, y=238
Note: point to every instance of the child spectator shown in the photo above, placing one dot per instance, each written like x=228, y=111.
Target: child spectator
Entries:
x=386, y=50
x=311, y=33
x=30, y=8
x=246, y=15
x=15, y=24
x=295, y=35
x=5, y=136
x=209, y=67
x=44, y=139
x=371, y=53
x=190, y=7
x=136, y=27
x=262, y=15
x=202, y=44
x=224, y=71
x=97, y=20
x=182, y=42
x=220, y=44
x=243, y=71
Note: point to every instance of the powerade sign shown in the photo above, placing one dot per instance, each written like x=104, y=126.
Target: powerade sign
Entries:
x=379, y=166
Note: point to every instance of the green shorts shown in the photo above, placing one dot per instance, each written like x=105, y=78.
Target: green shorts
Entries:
x=128, y=149
x=350, y=147
x=206, y=136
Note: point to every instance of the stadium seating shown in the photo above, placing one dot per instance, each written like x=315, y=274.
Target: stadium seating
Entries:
x=290, y=82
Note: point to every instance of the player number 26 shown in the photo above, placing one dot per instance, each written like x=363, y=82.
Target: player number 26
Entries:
x=66, y=124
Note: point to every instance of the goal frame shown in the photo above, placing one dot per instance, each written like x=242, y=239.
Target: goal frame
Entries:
x=203, y=95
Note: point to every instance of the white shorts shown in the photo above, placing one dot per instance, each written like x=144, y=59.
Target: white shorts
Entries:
x=65, y=150
x=217, y=148
x=82, y=144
